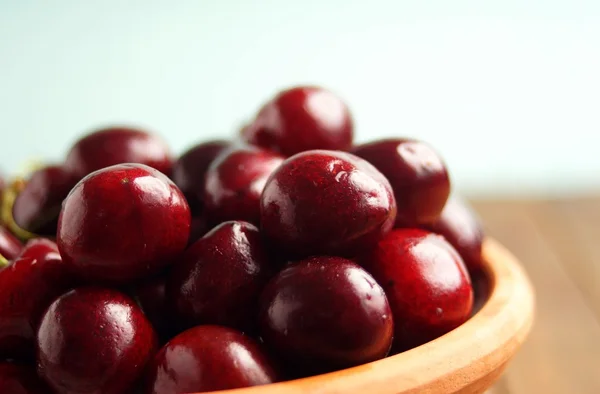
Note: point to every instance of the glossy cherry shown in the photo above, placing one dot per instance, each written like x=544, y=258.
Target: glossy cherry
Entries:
x=123, y=222
x=116, y=145
x=300, y=119
x=94, y=340
x=27, y=286
x=220, y=277
x=209, y=358
x=461, y=226
x=190, y=169
x=20, y=379
x=235, y=181
x=326, y=313
x=326, y=202
x=38, y=205
x=417, y=174
x=10, y=246
x=426, y=282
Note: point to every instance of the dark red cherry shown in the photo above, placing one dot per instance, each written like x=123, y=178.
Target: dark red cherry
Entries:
x=234, y=182
x=461, y=226
x=326, y=313
x=38, y=205
x=209, y=358
x=325, y=202
x=426, y=282
x=117, y=145
x=122, y=223
x=10, y=246
x=20, y=379
x=94, y=340
x=190, y=169
x=27, y=286
x=417, y=174
x=221, y=277
x=151, y=296
x=301, y=119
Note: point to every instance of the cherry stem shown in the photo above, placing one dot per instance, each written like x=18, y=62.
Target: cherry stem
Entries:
x=6, y=209
x=3, y=262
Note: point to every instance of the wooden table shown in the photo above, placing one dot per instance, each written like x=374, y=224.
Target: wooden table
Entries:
x=558, y=243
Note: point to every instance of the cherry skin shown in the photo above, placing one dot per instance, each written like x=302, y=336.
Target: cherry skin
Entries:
x=220, y=277
x=326, y=203
x=235, y=181
x=461, y=226
x=417, y=174
x=326, y=313
x=122, y=223
x=27, y=286
x=190, y=169
x=38, y=205
x=300, y=119
x=117, y=145
x=93, y=340
x=426, y=282
x=209, y=358
x=10, y=246
x=20, y=379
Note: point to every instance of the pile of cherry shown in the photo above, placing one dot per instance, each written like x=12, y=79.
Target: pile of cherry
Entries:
x=284, y=253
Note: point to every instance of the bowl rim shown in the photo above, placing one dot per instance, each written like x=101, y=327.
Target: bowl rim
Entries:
x=467, y=359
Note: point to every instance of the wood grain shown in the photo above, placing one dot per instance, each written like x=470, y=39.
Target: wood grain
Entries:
x=573, y=229
x=558, y=243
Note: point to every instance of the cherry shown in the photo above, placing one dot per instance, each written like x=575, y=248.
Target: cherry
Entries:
x=94, y=340
x=20, y=379
x=190, y=169
x=209, y=358
x=461, y=226
x=10, y=246
x=123, y=222
x=116, y=145
x=417, y=174
x=426, y=282
x=37, y=206
x=27, y=286
x=151, y=296
x=326, y=202
x=235, y=181
x=220, y=277
x=300, y=119
x=326, y=313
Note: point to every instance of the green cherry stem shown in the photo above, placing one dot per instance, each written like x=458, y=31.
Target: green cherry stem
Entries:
x=3, y=262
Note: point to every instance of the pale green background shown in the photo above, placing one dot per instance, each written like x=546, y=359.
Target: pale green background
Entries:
x=508, y=91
